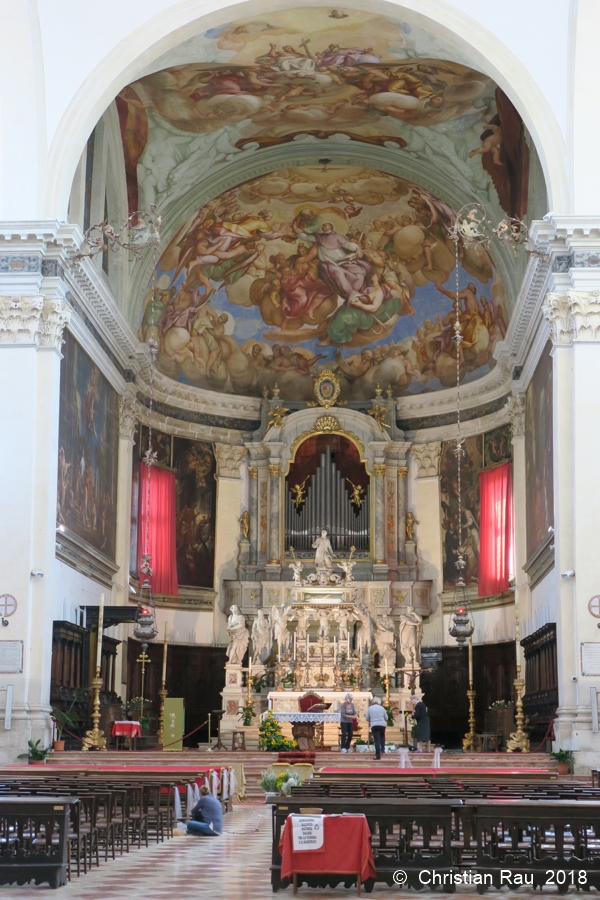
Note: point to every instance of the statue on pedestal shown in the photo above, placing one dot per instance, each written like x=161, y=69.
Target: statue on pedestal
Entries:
x=238, y=637
x=365, y=634
x=301, y=617
x=385, y=640
x=279, y=620
x=322, y=617
x=261, y=637
x=296, y=568
x=410, y=633
x=324, y=552
x=341, y=616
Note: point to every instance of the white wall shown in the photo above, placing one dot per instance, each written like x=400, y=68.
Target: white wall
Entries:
x=491, y=626
x=543, y=605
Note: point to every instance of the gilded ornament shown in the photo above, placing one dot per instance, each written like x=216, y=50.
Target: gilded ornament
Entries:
x=327, y=425
x=244, y=521
x=410, y=526
x=327, y=388
x=277, y=415
x=379, y=414
x=379, y=469
x=356, y=497
x=252, y=472
x=299, y=494
x=402, y=471
x=275, y=470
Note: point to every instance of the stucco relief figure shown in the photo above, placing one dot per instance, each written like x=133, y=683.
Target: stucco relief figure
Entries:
x=324, y=551
x=342, y=617
x=410, y=633
x=238, y=637
x=301, y=616
x=296, y=568
x=346, y=565
x=261, y=636
x=385, y=640
x=322, y=616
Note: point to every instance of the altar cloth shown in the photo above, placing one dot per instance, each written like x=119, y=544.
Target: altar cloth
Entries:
x=314, y=717
x=346, y=850
x=126, y=728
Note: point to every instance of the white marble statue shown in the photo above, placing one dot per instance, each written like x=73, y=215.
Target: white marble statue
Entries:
x=261, y=637
x=322, y=617
x=301, y=617
x=346, y=565
x=385, y=641
x=410, y=632
x=238, y=637
x=363, y=613
x=280, y=617
x=324, y=551
x=296, y=568
x=342, y=616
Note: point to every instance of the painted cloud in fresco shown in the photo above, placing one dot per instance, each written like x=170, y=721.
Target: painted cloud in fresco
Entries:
x=365, y=77
x=322, y=266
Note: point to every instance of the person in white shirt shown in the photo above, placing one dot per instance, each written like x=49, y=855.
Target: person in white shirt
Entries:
x=377, y=719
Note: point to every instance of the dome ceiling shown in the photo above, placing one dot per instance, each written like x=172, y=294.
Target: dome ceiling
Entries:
x=270, y=278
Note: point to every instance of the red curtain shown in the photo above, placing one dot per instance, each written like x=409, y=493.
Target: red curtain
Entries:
x=161, y=532
x=495, y=555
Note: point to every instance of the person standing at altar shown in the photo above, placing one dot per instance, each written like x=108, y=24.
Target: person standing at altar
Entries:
x=207, y=815
x=377, y=719
x=348, y=719
x=423, y=727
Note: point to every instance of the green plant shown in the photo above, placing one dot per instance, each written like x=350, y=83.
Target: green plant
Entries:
x=246, y=714
x=268, y=781
x=288, y=679
x=35, y=751
x=360, y=743
x=271, y=737
x=292, y=779
x=390, y=710
x=259, y=682
x=502, y=704
x=63, y=720
x=563, y=756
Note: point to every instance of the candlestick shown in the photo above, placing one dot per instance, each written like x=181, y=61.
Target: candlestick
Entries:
x=470, y=661
x=386, y=668
x=295, y=645
x=99, y=636
x=334, y=649
x=278, y=653
x=164, y=667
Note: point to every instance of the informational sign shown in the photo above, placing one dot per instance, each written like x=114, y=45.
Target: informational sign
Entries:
x=11, y=657
x=590, y=657
x=307, y=832
x=173, y=724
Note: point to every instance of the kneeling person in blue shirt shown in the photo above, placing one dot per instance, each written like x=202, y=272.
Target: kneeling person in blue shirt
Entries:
x=207, y=815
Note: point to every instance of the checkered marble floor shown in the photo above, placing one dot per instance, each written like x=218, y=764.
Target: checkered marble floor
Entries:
x=233, y=867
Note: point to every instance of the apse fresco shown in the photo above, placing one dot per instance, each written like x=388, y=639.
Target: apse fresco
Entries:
x=471, y=465
x=316, y=73
x=88, y=442
x=322, y=266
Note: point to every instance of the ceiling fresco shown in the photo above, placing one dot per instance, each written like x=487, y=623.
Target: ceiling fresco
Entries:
x=316, y=73
x=320, y=266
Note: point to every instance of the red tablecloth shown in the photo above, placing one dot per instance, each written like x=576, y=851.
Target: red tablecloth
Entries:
x=126, y=729
x=444, y=771
x=346, y=850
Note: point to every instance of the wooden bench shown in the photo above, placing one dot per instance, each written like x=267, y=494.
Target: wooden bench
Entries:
x=33, y=839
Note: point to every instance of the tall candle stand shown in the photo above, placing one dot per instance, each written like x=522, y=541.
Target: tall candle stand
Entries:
x=163, y=691
x=519, y=739
x=469, y=740
x=95, y=737
x=143, y=659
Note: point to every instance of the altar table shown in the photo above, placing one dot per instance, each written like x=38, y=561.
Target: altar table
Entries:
x=126, y=728
x=307, y=727
x=346, y=850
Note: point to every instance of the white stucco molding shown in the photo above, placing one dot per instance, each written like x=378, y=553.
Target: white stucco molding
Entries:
x=515, y=407
x=229, y=460
x=573, y=316
x=128, y=415
x=427, y=457
x=33, y=320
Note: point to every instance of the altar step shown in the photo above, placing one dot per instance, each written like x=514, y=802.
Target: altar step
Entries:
x=255, y=762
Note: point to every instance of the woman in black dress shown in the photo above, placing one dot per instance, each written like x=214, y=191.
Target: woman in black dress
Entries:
x=423, y=729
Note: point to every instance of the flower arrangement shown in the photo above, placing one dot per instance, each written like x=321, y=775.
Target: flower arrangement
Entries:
x=273, y=782
x=271, y=737
x=502, y=704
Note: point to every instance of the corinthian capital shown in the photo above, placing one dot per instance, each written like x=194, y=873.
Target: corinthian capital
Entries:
x=515, y=407
x=428, y=458
x=33, y=319
x=229, y=459
x=127, y=416
x=574, y=316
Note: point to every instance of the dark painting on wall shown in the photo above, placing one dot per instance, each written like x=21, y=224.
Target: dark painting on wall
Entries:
x=497, y=446
x=194, y=462
x=88, y=441
x=471, y=465
x=539, y=454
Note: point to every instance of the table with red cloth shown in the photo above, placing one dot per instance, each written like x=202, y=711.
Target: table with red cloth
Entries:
x=127, y=728
x=346, y=850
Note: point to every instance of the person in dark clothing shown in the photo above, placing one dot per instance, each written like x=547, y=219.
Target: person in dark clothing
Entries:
x=423, y=729
x=377, y=719
x=347, y=719
x=207, y=815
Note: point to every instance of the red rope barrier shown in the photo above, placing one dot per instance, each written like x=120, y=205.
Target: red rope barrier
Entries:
x=549, y=733
x=162, y=747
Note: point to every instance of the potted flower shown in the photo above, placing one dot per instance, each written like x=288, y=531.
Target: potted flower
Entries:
x=287, y=682
x=36, y=755
x=63, y=721
x=268, y=782
x=564, y=760
x=246, y=714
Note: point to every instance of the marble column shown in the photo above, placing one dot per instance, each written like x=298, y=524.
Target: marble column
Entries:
x=127, y=425
x=31, y=327
x=427, y=510
x=516, y=413
x=253, y=510
x=275, y=535
x=229, y=459
x=378, y=519
x=574, y=318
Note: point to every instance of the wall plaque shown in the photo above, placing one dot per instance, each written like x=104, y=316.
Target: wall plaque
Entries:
x=590, y=657
x=11, y=657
